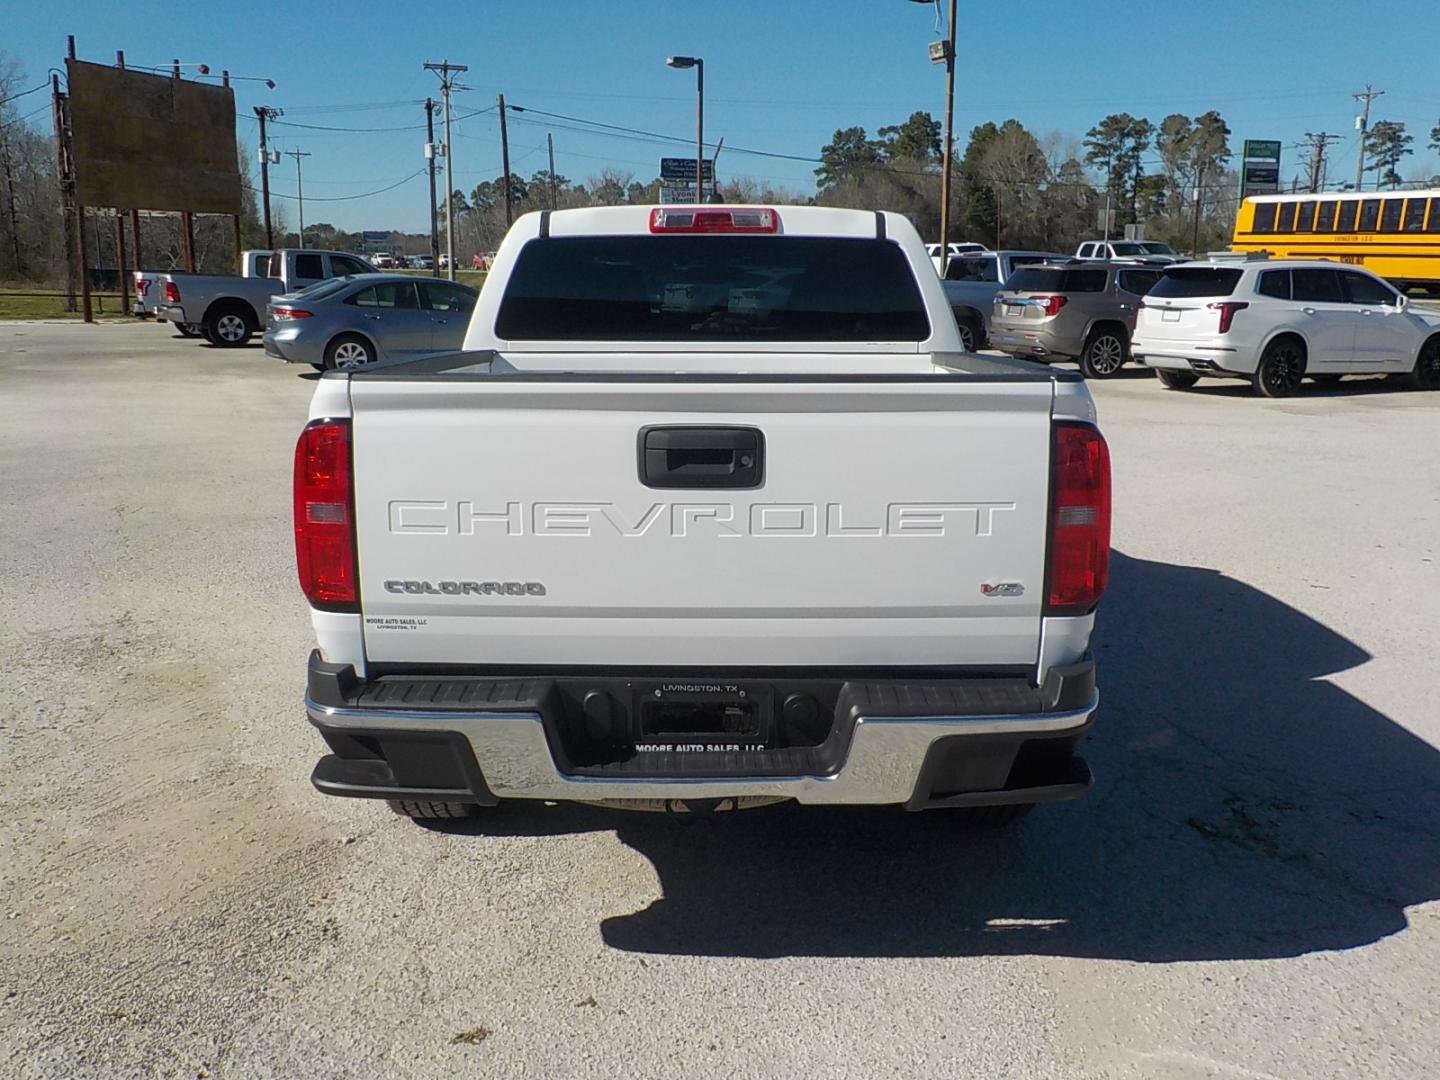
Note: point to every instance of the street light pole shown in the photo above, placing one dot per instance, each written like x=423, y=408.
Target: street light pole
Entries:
x=299, y=190
x=699, y=65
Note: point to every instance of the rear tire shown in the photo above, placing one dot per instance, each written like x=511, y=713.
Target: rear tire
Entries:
x=432, y=811
x=229, y=326
x=1282, y=367
x=1426, y=375
x=1176, y=380
x=990, y=817
x=1104, y=354
x=970, y=333
x=348, y=352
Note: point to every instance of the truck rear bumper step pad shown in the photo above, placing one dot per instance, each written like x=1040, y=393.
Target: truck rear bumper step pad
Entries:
x=955, y=742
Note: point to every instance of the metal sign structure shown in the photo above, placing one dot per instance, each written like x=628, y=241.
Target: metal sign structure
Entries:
x=151, y=141
x=1260, y=167
x=683, y=169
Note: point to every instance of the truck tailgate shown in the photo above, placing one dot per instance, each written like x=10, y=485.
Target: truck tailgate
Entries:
x=505, y=521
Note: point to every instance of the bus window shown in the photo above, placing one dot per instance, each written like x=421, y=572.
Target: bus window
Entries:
x=1264, y=217
x=1326, y=221
x=1349, y=211
x=1415, y=215
x=1390, y=215
x=1369, y=215
x=1434, y=216
x=1305, y=216
x=1285, y=218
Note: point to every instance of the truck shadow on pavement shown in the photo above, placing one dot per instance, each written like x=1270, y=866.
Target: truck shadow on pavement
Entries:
x=1245, y=808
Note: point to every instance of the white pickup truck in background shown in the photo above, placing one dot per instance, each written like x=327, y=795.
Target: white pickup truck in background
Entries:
x=712, y=512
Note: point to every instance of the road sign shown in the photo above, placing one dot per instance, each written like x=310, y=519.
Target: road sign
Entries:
x=679, y=168
x=1262, y=150
x=375, y=236
x=677, y=193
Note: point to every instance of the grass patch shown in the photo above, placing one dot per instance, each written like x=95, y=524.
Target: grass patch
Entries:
x=469, y=277
x=49, y=304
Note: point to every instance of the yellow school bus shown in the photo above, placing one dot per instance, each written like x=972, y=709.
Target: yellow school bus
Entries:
x=1395, y=234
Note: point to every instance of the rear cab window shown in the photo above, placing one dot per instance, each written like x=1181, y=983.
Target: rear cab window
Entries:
x=712, y=288
x=1184, y=282
x=309, y=266
x=972, y=268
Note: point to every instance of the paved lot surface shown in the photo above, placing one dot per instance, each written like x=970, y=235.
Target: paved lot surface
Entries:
x=1251, y=890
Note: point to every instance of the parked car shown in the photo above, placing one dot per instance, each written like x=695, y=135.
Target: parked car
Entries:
x=150, y=288
x=382, y=260
x=400, y=262
x=422, y=262
x=971, y=282
x=1147, y=251
x=852, y=564
x=1276, y=322
x=228, y=309
x=964, y=248
x=354, y=321
x=1077, y=310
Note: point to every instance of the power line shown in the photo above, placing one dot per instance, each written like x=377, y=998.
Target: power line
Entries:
x=346, y=198
x=24, y=93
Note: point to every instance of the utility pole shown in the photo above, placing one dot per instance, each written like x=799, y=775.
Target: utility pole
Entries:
x=430, y=165
x=505, y=163
x=1362, y=124
x=1317, y=144
x=10, y=200
x=447, y=72
x=265, y=112
x=550, y=145
x=299, y=191
x=1199, y=193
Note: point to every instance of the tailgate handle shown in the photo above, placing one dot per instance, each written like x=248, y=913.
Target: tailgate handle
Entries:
x=701, y=457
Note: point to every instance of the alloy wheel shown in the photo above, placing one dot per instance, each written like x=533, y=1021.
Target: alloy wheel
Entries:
x=230, y=328
x=351, y=354
x=1282, y=371
x=1107, y=354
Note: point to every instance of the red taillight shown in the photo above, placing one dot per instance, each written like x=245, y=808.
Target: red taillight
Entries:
x=735, y=219
x=142, y=285
x=1227, y=309
x=1051, y=304
x=290, y=313
x=172, y=293
x=325, y=516
x=1079, y=519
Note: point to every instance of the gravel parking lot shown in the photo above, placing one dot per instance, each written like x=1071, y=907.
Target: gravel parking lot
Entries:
x=1250, y=891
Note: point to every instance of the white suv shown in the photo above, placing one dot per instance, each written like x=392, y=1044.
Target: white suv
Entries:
x=1275, y=322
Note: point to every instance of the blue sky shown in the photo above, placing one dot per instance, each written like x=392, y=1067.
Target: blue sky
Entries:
x=780, y=76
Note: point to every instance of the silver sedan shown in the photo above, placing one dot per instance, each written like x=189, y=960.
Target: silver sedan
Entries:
x=353, y=321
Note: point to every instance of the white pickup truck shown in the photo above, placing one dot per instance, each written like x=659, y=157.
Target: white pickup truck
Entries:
x=712, y=512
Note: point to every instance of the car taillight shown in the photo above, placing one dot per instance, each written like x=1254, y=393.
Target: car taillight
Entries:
x=1051, y=304
x=747, y=219
x=1079, y=519
x=1227, y=309
x=290, y=313
x=142, y=286
x=172, y=293
x=325, y=517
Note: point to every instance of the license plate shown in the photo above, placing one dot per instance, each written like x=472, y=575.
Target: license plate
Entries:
x=1169, y=316
x=1014, y=309
x=685, y=715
